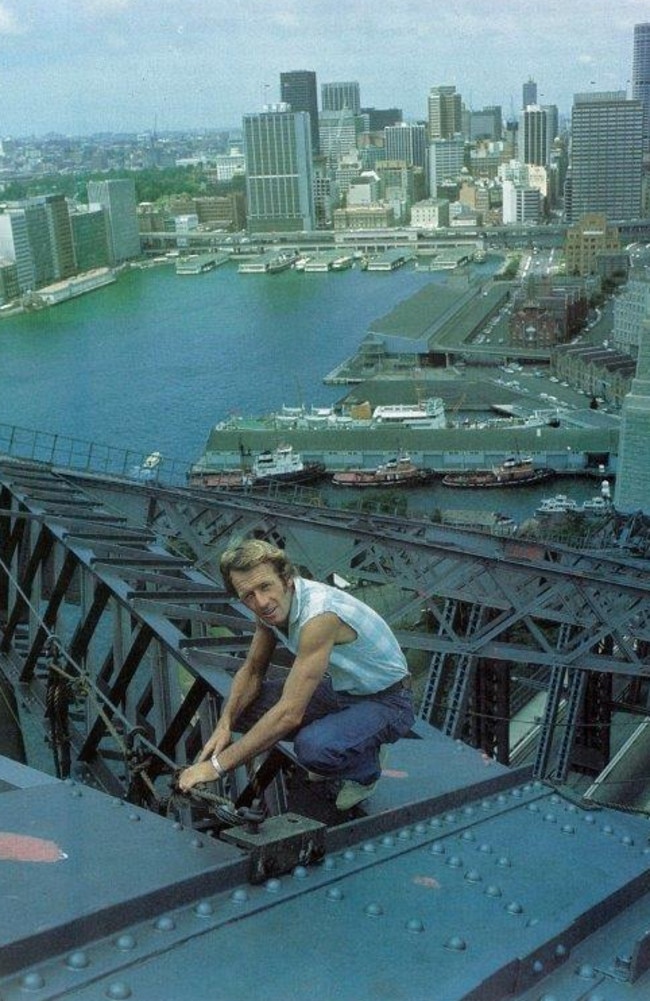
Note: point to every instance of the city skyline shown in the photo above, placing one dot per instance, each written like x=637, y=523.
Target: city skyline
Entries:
x=70, y=68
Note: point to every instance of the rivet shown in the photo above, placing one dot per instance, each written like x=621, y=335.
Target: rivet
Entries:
x=555, y=799
x=420, y=828
x=532, y=922
x=467, y=836
x=374, y=910
x=550, y=818
x=503, y=862
x=77, y=960
x=589, y=818
x=135, y=819
x=77, y=793
x=32, y=982
x=204, y=908
x=568, y=829
x=349, y=855
x=196, y=843
x=492, y=891
x=485, y=804
x=125, y=942
x=165, y=924
x=538, y=966
x=115, y=803
x=572, y=808
x=273, y=886
x=627, y=840
x=501, y=799
x=239, y=896
x=607, y=829
x=456, y=943
x=435, y=822
x=300, y=872
x=177, y=826
x=369, y=848
x=473, y=876
x=516, y=793
x=586, y=971
x=450, y=818
x=414, y=925
x=454, y=861
x=469, y=811
x=485, y=849
x=334, y=893
x=118, y=990
x=404, y=834
x=437, y=848
x=514, y=907
x=388, y=841
x=330, y=863
x=561, y=951
x=533, y=807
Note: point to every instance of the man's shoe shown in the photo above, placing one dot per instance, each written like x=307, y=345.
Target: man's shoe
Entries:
x=316, y=777
x=352, y=793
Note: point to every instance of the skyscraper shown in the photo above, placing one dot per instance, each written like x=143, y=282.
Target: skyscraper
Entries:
x=536, y=134
x=606, y=155
x=118, y=198
x=277, y=146
x=342, y=96
x=298, y=88
x=529, y=93
x=641, y=76
x=406, y=142
x=444, y=112
x=632, y=491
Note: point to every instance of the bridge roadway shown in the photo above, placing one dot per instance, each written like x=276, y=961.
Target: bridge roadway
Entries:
x=466, y=876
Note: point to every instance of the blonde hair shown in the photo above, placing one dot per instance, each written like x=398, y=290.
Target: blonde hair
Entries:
x=250, y=553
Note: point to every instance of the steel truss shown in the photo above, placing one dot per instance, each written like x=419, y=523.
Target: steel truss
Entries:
x=124, y=576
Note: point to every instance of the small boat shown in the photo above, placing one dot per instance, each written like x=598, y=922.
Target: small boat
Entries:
x=147, y=470
x=513, y=472
x=597, y=505
x=560, y=504
x=399, y=472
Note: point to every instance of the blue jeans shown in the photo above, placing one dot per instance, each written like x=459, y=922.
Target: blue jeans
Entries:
x=340, y=734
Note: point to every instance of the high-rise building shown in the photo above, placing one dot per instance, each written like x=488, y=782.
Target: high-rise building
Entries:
x=529, y=93
x=606, y=155
x=118, y=198
x=15, y=246
x=487, y=123
x=444, y=113
x=338, y=131
x=641, y=76
x=60, y=233
x=632, y=491
x=406, y=142
x=342, y=96
x=298, y=89
x=446, y=161
x=537, y=128
x=90, y=236
x=277, y=146
x=378, y=118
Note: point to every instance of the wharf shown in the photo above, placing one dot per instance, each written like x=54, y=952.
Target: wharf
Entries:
x=198, y=264
x=269, y=263
x=70, y=288
x=330, y=261
x=390, y=260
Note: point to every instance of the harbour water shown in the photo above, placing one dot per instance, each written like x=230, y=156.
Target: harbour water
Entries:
x=153, y=361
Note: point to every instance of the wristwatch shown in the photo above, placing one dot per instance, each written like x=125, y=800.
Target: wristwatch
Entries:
x=214, y=761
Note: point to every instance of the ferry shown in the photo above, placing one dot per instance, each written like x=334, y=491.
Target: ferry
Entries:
x=428, y=414
x=398, y=472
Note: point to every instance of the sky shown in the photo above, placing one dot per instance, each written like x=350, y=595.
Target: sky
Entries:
x=79, y=67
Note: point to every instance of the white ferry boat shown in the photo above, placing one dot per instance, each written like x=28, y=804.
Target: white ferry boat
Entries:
x=428, y=414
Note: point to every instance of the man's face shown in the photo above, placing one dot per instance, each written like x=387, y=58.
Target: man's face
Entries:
x=266, y=593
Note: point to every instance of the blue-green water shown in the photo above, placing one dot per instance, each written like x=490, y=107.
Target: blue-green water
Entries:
x=155, y=360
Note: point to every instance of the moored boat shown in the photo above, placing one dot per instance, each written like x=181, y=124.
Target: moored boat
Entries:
x=278, y=465
x=398, y=472
x=513, y=472
x=560, y=504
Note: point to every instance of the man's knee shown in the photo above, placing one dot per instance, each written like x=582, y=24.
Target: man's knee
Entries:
x=316, y=755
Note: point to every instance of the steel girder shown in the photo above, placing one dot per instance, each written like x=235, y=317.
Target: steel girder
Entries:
x=126, y=575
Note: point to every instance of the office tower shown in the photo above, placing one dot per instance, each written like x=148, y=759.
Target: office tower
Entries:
x=118, y=198
x=529, y=93
x=632, y=491
x=606, y=155
x=405, y=142
x=641, y=76
x=298, y=89
x=90, y=237
x=446, y=161
x=632, y=305
x=338, y=131
x=277, y=146
x=444, y=113
x=537, y=128
x=486, y=124
x=60, y=234
x=379, y=118
x=15, y=247
x=341, y=96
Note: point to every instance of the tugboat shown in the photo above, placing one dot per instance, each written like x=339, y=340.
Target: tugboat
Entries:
x=399, y=472
x=513, y=472
x=278, y=465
